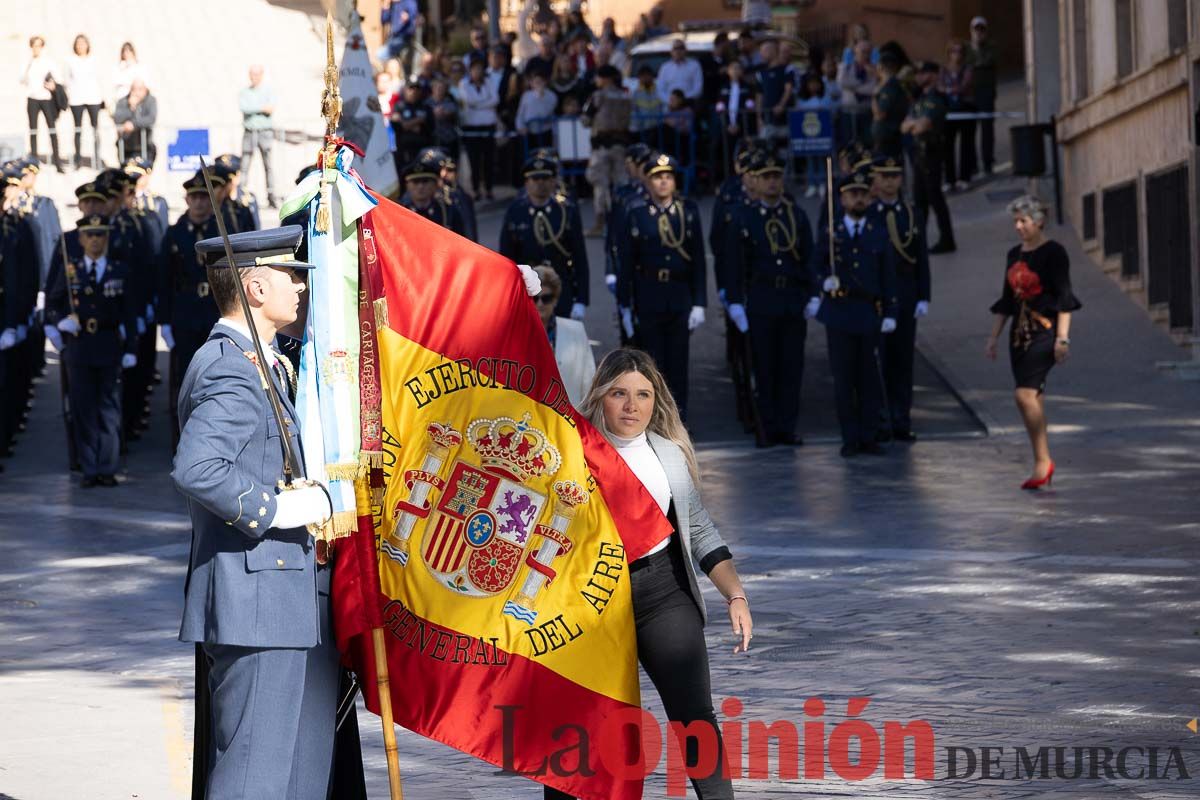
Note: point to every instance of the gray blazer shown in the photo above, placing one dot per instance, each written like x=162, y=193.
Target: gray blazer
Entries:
x=697, y=533
x=247, y=585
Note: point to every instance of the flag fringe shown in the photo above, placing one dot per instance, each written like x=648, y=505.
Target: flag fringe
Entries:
x=351, y=471
x=344, y=523
x=370, y=459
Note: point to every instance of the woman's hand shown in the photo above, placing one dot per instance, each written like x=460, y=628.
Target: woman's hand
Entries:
x=743, y=625
x=1061, y=351
x=990, y=349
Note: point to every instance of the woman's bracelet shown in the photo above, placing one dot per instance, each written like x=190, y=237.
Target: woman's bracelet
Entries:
x=738, y=597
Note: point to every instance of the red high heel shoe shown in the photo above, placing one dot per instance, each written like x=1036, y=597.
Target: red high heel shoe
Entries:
x=1037, y=483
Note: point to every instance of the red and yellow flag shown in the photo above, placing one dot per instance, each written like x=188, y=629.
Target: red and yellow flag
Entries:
x=499, y=568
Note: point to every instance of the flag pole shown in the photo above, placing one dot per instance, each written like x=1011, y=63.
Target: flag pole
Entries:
x=331, y=110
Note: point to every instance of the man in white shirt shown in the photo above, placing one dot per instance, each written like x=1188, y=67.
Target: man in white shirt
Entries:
x=682, y=73
x=39, y=76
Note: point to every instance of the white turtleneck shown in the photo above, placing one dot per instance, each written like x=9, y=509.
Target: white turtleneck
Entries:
x=644, y=463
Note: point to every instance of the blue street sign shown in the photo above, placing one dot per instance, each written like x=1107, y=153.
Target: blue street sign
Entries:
x=812, y=131
x=183, y=154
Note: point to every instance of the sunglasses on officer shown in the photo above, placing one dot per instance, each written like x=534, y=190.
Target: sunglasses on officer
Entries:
x=93, y=234
x=546, y=298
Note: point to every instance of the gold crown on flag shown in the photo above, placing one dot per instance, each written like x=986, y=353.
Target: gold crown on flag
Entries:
x=570, y=493
x=443, y=435
x=514, y=446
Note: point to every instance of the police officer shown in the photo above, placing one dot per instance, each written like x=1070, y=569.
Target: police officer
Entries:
x=624, y=195
x=927, y=125
x=185, y=304
x=899, y=221
x=544, y=227
x=91, y=317
x=662, y=277
x=422, y=195
x=244, y=203
x=455, y=195
x=770, y=284
x=857, y=304
x=889, y=107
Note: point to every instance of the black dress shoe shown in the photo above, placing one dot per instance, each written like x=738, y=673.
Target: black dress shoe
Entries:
x=883, y=437
x=904, y=436
x=789, y=439
x=871, y=448
x=107, y=480
x=88, y=482
x=763, y=441
x=943, y=246
x=849, y=450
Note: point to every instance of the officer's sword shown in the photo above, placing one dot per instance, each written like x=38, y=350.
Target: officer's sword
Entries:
x=291, y=465
x=829, y=200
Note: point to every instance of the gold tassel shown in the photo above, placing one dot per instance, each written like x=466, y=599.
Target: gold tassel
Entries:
x=345, y=472
x=323, y=207
x=381, y=313
x=344, y=523
x=378, y=495
x=370, y=459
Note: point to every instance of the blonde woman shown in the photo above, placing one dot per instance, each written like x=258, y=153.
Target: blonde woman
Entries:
x=630, y=404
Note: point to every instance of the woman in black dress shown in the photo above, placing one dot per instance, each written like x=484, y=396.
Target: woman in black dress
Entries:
x=1037, y=295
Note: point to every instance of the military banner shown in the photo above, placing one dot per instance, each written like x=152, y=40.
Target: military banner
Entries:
x=506, y=524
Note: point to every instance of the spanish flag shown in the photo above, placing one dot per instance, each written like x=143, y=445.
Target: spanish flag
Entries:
x=504, y=526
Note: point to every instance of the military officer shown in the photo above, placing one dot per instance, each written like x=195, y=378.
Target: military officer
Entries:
x=927, y=125
x=636, y=156
x=889, y=107
x=898, y=219
x=770, y=284
x=149, y=207
x=858, y=303
x=47, y=227
x=545, y=227
x=422, y=195
x=91, y=314
x=244, y=203
x=273, y=674
x=18, y=252
x=454, y=195
x=662, y=275
x=185, y=303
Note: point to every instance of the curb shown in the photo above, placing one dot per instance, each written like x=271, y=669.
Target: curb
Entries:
x=967, y=398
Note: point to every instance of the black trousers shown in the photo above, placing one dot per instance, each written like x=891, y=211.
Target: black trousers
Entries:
x=96, y=416
x=480, y=144
x=93, y=112
x=48, y=110
x=777, y=341
x=665, y=336
x=961, y=132
x=856, y=385
x=927, y=192
x=896, y=352
x=671, y=648
x=985, y=101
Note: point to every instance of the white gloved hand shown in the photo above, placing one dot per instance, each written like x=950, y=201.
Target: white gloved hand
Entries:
x=128, y=361
x=696, y=318
x=69, y=325
x=611, y=282
x=141, y=326
x=627, y=321
x=22, y=332
x=533, y=284
x=8, y=338
x=167, y=336
x=830, y=284
x=888, y=325
x=150, y=313
x=299, y=507
x=737, y=313
x=810, y=310
x=577, y=311
x=41, y=302
x=53, y=336
x=921, y=310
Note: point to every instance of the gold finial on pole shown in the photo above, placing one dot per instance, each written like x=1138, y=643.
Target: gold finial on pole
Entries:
x=331, y=110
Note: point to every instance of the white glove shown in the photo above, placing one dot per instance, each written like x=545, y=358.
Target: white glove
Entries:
x=53, y=336
x=611, y=282
x=69, y=325
x=128, y=361
x=167, y=336
x=141, y=326
x=922, y=309
x=41, y=302
x=22, y=332
x=577, y=311
x=696, y=318
x=149, y=313
x=8, y=338
x=888, y=325
x=737, y=313
x=627, y=321
x=830, y=284
x=812, y=308
x=299, y=507
x=533, y=284
x=121, y=330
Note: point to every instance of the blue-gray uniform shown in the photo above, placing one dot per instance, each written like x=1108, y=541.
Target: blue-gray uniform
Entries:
x=911, y=257
x=456, y=197
x=100, y=295
x=47, y=228
x=254, y=598
x=852, y=316
x=662, y=275
x=768, y=266
x=184, y=301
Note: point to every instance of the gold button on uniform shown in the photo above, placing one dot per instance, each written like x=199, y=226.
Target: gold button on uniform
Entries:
x=279, y=562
